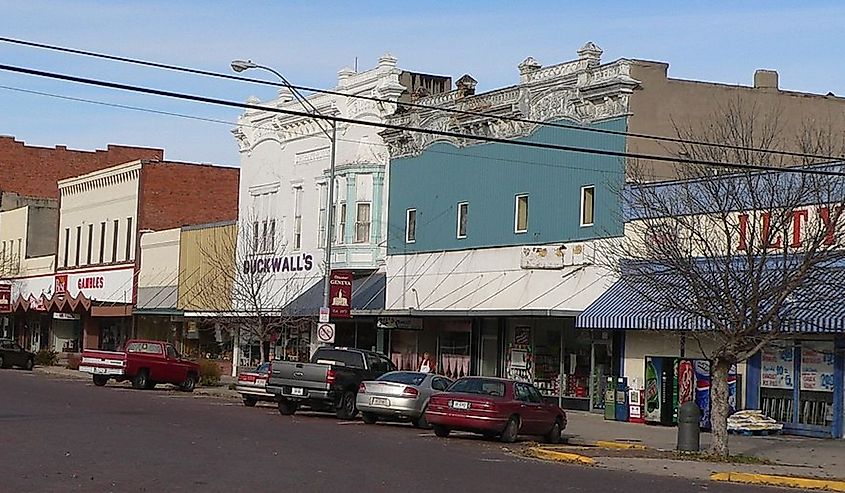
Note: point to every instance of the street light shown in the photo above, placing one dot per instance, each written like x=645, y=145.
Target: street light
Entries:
x=240, y=66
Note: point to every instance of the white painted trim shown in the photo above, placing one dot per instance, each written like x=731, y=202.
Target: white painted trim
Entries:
x=407, y=222
x=458, y=220
x=516, y=213
x=581, y=212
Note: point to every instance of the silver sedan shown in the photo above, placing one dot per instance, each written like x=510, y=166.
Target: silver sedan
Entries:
x=399, y=396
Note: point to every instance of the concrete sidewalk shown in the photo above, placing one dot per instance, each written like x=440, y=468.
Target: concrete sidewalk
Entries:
x=221, y=391
x=791, y=455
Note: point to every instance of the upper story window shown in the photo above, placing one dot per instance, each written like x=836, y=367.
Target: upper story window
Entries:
x=521, y=213
x=410, y=226
x=102, y=242
x=66, y=249
x=90, y=243
x=128, y=238
x=341, y=224
x=114, y=240
x=297, y=218
x=362, y=222
x=78, y=244
x=588, y=205
x=323, y=219
x=463, y=209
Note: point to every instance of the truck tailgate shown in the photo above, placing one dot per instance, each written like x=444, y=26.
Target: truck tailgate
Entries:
x=305, y=375
x=102, y=362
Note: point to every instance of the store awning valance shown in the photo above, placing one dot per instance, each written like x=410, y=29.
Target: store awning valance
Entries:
x=367, y=295
x=818, y=306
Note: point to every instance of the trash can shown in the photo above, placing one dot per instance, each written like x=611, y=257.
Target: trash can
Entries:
x=621, y=399
x=610, y=399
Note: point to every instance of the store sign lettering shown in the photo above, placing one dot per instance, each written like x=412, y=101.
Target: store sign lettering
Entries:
x=303, y=262
x=93, y=282
x=793, y=238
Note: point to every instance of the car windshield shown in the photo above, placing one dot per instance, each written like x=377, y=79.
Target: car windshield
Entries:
x=479, y=386
x=263, y=368
x=403, y=377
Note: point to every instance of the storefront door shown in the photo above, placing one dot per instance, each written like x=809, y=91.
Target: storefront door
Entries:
x=602, y=363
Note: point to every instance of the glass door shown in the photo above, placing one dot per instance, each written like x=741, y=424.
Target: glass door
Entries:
x=601, y=363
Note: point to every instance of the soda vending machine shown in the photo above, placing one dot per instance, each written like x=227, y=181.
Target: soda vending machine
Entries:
x=671, y=382
x=659, y=390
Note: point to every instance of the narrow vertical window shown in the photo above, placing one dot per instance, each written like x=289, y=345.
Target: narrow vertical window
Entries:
x=297, y=218
x=410, y=226
x=18, y=268
x=323, y=220
x=362, y=223
x=263, y=236
x=588, y=205
x=66, y=249
x=128, y=238
x=78, y=244
x=114, y=240
x=521, y=214
x=90, y=242
x=341, y=224
x=334, y=230
x=102, y=242
x=463, y=209
x=256, y=238
x=272, y=235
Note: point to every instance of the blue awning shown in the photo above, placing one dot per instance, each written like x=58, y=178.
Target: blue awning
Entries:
x=368, y=293
x=817, y=307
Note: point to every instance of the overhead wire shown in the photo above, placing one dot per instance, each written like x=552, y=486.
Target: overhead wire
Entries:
x=456, y=111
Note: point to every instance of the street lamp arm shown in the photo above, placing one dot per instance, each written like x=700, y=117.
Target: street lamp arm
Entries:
x=241, y=65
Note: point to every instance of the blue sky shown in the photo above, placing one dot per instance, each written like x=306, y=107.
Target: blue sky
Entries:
x=310, y=41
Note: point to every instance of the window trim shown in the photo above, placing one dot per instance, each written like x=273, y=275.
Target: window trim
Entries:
x=516, y=198
x=359, y=223
x=458, y=219
x=581, y=215
x=408, y=238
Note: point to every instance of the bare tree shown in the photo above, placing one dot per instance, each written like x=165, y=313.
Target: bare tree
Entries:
x=735, y=253
x=257, y=278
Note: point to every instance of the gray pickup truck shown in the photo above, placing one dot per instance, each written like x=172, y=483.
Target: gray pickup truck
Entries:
x=328, y=383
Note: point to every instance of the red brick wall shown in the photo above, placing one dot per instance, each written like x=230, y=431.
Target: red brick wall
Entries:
x=33, y=171
x=182, y=194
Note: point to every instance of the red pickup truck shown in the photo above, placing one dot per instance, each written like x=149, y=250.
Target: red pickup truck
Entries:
x=144, y=363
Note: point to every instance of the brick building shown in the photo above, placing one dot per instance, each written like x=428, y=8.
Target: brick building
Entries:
x=102, y=216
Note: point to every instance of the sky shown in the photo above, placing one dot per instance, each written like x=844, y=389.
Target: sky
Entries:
x=309, y=41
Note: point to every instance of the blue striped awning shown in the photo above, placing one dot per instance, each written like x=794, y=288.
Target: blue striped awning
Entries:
x=816, y=307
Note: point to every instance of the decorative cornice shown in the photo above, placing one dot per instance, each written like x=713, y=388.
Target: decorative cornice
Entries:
x=580, y=90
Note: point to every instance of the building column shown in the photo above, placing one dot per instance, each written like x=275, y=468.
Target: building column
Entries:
x=377, y=208
x=351, y=200
x=90, y=332
x=839, y=387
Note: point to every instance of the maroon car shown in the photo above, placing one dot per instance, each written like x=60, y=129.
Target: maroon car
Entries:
x=495, y=407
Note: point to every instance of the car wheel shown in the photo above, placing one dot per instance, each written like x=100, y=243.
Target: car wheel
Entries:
x=287, y=408
x=369, y=418
x=141, y=380
x=441, y=431
x=553, y=436
x=511, y=430
x=189, y=384
x=30, y=364
x=347, y=409
x=421, y=422
x=250, y=401
x=100, y=380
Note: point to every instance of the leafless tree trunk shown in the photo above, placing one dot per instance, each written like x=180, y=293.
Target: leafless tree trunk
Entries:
x=734, y=252
x=258, y=279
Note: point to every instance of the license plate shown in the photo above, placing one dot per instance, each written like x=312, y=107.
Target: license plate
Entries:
x=99, y=370
x=297, y=391
x=378, y=401
x=459, y=405
x=261, y=382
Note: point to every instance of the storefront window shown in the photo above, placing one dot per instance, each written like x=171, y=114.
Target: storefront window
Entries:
x=454, y=353
x=404, y=349
x=777, y=381
x=547, y=361
x=816, y=396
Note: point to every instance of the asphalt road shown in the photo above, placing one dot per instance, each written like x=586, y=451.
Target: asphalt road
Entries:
x=67, y=435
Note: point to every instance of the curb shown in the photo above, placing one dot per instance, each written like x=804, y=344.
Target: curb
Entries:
x=543, y=453
x=619, y=445
x=783, y=481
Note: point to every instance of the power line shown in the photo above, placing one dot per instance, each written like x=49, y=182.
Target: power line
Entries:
x=456, y=111
x=390, y=126
x=264, y=127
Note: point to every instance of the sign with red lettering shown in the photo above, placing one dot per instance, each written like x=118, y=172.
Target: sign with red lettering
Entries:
x=5, y=298
x=61, y=284
x=340, y=294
